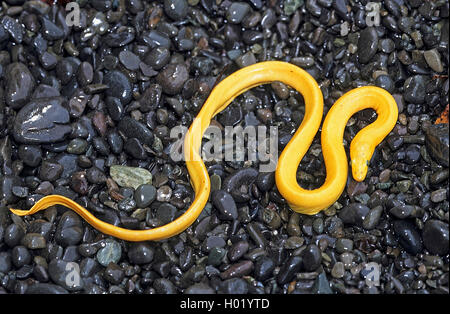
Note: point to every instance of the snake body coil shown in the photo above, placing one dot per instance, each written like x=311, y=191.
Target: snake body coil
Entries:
x=300, y=200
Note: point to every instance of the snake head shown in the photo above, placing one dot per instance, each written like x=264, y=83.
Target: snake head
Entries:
x=360, y=156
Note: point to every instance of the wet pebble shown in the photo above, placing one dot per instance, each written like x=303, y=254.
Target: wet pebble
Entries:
x=437, y=143
x=311, y=257
x=172, y=78
x=225, y=203
x=140, y=253
x=408, y=236
x=42, y=120
x=354, y=214
x=69, y=230
x=435, y=237
x=367, y=44
x=144, y=195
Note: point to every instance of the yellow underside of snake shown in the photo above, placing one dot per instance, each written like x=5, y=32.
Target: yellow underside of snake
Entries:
x=300, y=200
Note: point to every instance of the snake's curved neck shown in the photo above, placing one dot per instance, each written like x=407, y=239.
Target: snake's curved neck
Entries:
x=361, y=148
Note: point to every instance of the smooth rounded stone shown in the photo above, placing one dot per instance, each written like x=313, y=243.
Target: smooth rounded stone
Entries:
x=49, y=30
x=135, y=149
x=129, y=60
x=433, y=59
x=294, y=242
x=402, y=211
x=414, y=89
x=45, y=91
x=158, y=57
x=69, y=230
x=367, y=44
x=133, y=128
x=166, y=213
x=66, y=69
x=20, y=256
x=144, y=195
x=265, y=181
x=225, y=203
x=233, y=286
x=216, y=182
x=43, y=120
x=48, y=60
x=79, y=183
x=437, y=142
x=385, y=82
x=19, y=85
x=172, y=78
x=372, y=218
x=61, y=272
x=343, y=245
x=237, y=250
x=95, y=175
x=246, y=59
x=85, y=74
x=176, y=9
x=408, y=236
x=13, y=235
x=386, y=45
x=303, y=62
x=131, y=177
x=31, y=155
x=338, y=270
x=354, y=214
x=140, y=253
x=5, y=262
x=264, y=267
x=119, y=86
x=438, y=195
x=50, y=170
x=240, y=269
x=237, y=11
x=216, y=255
x=20, y=191
x=77, y=103
x=114, y=274
x=111, y=252
x=289, y=269
x=45, y=288
x=439, y=176
x=115, y=108
x=435, y=237
x=312, y=257
x=212, y=241
x=199, y=288
x=412, y=154
x=164, y=286
x=34, y=241
x=77, y=146
x=115, y=141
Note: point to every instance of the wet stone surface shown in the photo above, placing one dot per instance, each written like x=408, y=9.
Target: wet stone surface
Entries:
x=88, y=112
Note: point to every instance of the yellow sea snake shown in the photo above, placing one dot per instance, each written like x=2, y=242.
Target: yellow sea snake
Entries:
x=300, y=200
